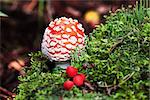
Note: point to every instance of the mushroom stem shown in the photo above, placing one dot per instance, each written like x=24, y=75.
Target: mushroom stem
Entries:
x=63, y=64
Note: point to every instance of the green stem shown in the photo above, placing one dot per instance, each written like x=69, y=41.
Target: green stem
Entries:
x=126, y=78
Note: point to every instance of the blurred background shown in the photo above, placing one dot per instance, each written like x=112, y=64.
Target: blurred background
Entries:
x=24, y=24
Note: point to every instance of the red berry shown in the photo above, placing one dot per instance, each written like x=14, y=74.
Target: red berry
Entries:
x=78, y=80
x=68, y=85
x=71, y=71
x=82, y=75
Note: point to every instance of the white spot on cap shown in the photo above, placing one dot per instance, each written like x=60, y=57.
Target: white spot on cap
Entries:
x=75, y=20
x=73, y=39
x=45, y=37
x=65, y=36
x=80, y=26
x=51, y=50
x=57, y=36
x=48, y=40
x=56, y=20
x=79, y=35
x=60, y=43
x=47, y=30
x=69, y=46
x=56, y=55
x=74, y=28
x=53, y=43
x=82, y=30
x=63, y=18
x=57, y=49
x=62, y=31
x=68, y=30
x=79, y=40
x=55, y=59
x=44, y=44
x=63, y=27
x=57, y=28
x=51, y=24
x=51, y=35
x=64, y=40
x=63, y=50
x=70, y=19
x=58, y=46
x=66, y=22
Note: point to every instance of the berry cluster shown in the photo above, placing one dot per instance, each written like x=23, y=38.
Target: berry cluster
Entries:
x=78, y=79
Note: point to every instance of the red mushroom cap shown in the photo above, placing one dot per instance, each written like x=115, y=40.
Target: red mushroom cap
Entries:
x=61, y=37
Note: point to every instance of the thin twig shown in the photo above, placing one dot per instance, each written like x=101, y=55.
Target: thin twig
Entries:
x=115, y=45
x=7, y=92
x=50, y=10
x=109, y=88
x=127, y=78
x=3, y=96
x=121, y=39
x=89, y=85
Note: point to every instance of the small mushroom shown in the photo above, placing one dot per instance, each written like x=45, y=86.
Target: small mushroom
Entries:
x=61, y=37
x=92, y=17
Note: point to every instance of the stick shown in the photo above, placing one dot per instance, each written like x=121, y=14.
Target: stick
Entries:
x=7, y=92
x=109, y=88
x=115, y=45
x=89, y=85
x=3, y=96
x=119, y=42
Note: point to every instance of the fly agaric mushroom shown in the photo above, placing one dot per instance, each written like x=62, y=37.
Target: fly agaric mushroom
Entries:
x=61, y=37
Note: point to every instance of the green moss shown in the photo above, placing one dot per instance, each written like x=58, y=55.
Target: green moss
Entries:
x=119, y=49
x=116, y=58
